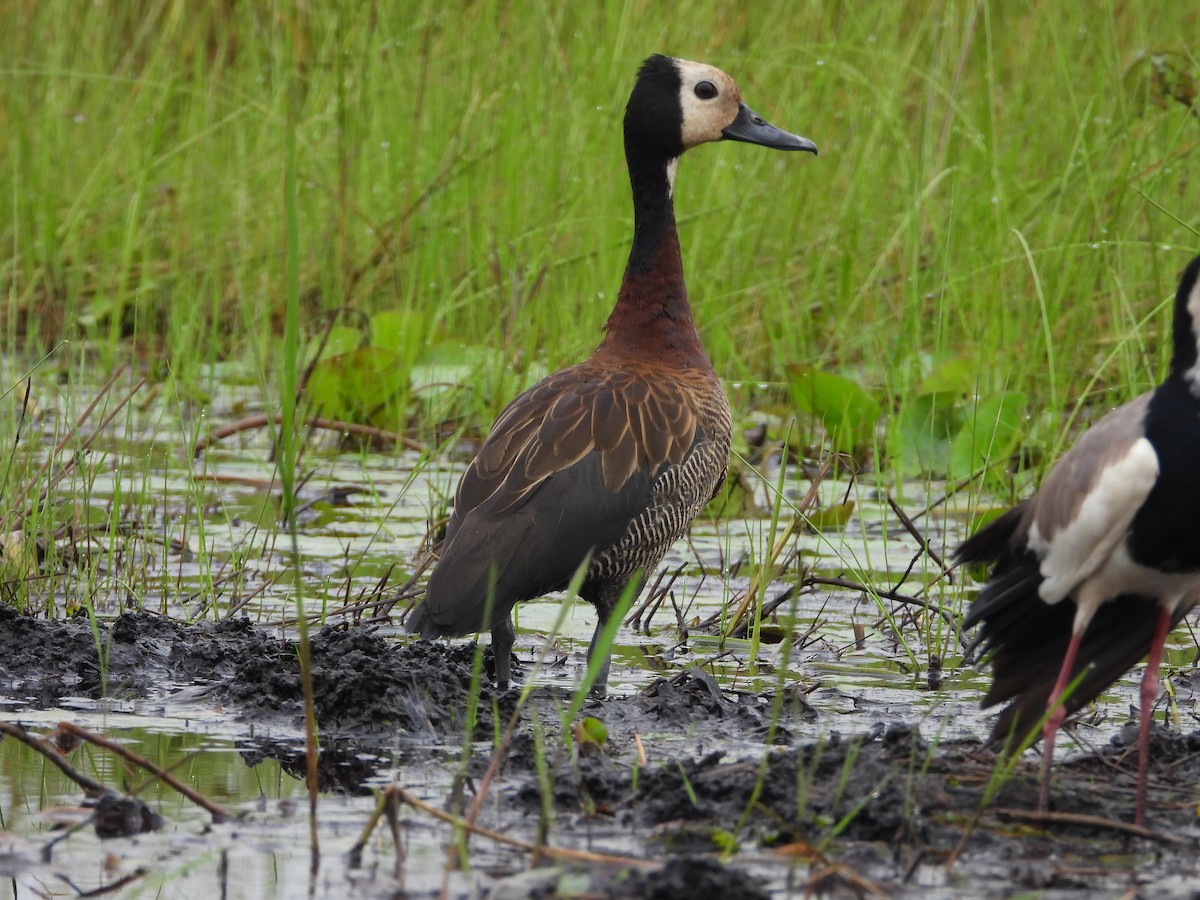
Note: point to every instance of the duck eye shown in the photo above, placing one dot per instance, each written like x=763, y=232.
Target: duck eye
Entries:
x=706, y=90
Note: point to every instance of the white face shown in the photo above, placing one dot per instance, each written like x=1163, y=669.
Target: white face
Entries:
x=709, y=110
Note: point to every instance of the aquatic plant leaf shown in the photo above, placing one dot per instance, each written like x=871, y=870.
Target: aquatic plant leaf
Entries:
x=846, y=410
x=831, y=518
x=368, y=386
x=989, y=433
x=400, y=330
x=955, y=375
x=341, y=339
x=920, y=435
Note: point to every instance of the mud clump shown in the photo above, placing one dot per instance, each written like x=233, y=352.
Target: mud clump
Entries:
x=678, y=877
x=43, y=661
x=345, y=766
x=694, y=695
x=693, y=876
x=364, y=684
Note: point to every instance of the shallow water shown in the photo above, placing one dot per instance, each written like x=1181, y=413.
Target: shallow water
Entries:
x=201, y=541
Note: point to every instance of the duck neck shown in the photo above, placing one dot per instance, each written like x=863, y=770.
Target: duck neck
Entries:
x=652, y=317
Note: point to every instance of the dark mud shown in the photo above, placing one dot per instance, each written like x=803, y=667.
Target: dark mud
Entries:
x=732, y=793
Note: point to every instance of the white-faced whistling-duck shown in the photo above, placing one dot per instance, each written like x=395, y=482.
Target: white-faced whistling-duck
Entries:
x=1095, y=569
x=610, y=459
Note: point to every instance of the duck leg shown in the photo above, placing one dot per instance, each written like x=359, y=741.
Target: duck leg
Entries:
x=1149, y=695
x=503, y=637
x=600, y=685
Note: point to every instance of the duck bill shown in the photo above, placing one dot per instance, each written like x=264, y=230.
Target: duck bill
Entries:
x=752, y=129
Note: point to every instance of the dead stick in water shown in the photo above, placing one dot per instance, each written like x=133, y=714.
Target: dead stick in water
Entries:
x=218, y=814
x=770, y=570
x=1066, y=818
x=387, y=806
x=911, y=527
x=553, y=852
x=355, y=854
x=251, y=423
x=90, y=786
x=116, y=886
x=392, y=814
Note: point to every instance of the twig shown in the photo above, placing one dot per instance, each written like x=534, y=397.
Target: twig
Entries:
x=391, y=812
x=654, y=595
x=951, y=491
x=87, y=442
x=911, y=528
x=562, y=853
x=251, y=423
x=1066, y=818
x=498, y=758
x=238, y=605
x=952, y=859
x=861, y=883
x=355, y=852
x=888, y=595
x=106, y=889
x=90, y=786
x=218, y=814
x=406, y=590
x=381, y=606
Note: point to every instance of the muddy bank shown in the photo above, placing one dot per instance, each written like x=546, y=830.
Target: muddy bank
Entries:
x=363, y=684
x=732, y=791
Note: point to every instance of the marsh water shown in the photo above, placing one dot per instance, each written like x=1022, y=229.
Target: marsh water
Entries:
x=856, y=709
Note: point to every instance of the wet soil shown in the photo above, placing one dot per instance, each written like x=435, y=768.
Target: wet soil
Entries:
x=731, y=794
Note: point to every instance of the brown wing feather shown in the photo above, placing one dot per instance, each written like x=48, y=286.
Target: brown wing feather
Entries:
x=621, y=460
x=656, y=439
x=636, y=421
x=610, y=419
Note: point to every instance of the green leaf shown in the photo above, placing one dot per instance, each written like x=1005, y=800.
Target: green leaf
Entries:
x=920, y=435
x=831, y=517
x=845, y=409
x=590, y=730
x=989, y=433
x=368, y=386
x=342, y=339
x=955, y=375
x=400, y=330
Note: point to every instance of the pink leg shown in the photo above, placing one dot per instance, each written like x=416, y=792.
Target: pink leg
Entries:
x=1149, y=695
x=1055, y=719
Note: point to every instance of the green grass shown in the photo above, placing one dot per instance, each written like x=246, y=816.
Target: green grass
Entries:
x=994, y=180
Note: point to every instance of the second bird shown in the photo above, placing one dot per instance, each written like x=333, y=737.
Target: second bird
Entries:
x=609, y=460
x=1093, y=571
